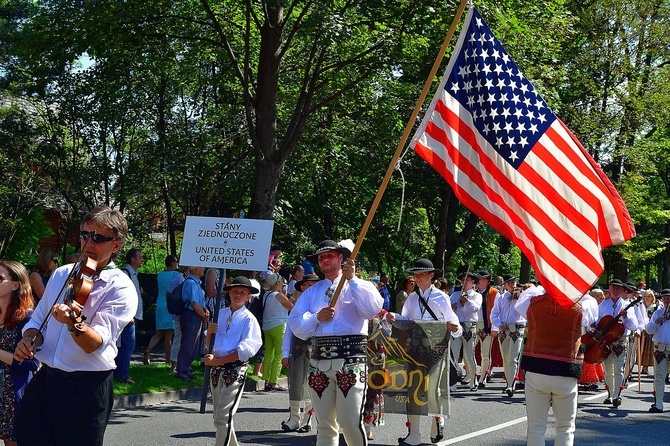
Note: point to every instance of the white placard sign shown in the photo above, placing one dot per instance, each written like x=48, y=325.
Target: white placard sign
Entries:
x=231, y=243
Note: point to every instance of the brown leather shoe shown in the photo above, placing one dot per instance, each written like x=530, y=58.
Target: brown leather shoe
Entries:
x=146, y=360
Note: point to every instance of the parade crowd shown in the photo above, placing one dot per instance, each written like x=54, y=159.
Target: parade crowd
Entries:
x=71, y=330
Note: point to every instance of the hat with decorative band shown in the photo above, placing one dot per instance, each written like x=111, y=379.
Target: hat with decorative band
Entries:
x=242, y=281
x=423, y=266
x=328, y=245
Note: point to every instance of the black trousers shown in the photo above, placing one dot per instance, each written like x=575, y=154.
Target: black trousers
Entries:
x=65, y=409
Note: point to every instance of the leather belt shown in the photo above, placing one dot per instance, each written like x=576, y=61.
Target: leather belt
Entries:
x=230, y=365
x=334, y=347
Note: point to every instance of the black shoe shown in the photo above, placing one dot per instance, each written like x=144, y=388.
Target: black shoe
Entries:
x=654, y=409
x=482, y=385
x=616, y=402
x=509, y=391
x=439, y=436
x=307, y=428
x=285, y=428
x=608, y=400
x=519, y=386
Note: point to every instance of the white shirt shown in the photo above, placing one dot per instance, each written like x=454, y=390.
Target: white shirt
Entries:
x=468, y=312
x=359, y=300
x=526, y=296
x=110, y=306
x=241, y=334
x=660, y=331
x=133, y=276
x=437, y=300
x=503, y=312
x=610, y=308
x=589, y=310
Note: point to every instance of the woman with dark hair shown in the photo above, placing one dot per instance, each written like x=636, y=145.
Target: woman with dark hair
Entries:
x=46, y=263
x=164, y=321
x=16, y=303
x=405, y=290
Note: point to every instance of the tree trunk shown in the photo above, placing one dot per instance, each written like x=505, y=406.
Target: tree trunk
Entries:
x=524, y=271
x=442, y=229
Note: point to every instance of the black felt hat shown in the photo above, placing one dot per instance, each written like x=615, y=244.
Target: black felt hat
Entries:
x=508, y=277
x=328, y=245
x=306, y=278
x=475, y=276
x=484, y=274
x=423, y=266
x=242, y=281
x=617, y=282
x=665, y=292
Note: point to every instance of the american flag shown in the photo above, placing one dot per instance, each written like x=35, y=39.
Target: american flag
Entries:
x=512, y=162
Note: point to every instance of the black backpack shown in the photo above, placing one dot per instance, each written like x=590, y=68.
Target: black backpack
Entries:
x=257, y=305
x=175, y=300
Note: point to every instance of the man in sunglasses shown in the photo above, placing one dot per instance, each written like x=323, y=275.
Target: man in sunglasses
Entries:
x=69, y=400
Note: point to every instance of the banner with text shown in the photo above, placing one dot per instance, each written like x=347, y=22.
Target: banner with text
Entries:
x=230, y=243
x=407, y=366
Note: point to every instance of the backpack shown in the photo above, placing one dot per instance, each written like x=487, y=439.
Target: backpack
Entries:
x=175, y=300
x=257, y=306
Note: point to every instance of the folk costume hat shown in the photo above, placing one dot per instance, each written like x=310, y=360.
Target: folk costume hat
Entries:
x=474, y=276
x=630, y=286
x=242, y=281
x=484, y=274
x=665, y=292
x=329, y=245
x=617, y=282
x=508, y=278
x=306, y=278
x=423, y=266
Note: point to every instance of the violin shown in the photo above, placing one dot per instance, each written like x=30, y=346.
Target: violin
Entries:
x=82, y=284
x=596, y=344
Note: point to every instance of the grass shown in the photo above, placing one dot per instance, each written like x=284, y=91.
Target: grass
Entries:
x=157, y=378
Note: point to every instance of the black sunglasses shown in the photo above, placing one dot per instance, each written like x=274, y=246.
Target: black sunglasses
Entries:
x=97, y=238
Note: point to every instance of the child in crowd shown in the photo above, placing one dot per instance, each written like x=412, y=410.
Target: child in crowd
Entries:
x=240, y=339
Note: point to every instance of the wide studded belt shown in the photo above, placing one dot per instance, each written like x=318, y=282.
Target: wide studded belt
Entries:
x=334, y=347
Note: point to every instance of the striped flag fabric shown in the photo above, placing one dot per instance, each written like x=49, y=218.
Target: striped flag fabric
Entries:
x=512, y=162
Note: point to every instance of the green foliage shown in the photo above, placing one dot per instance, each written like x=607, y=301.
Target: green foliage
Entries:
x=31, y=229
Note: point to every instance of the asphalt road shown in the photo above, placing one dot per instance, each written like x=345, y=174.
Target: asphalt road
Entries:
x=483, y=418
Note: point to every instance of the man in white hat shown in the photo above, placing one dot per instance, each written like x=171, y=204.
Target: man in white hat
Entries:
x=427, y=302
x=508, y=325
x=338, y=368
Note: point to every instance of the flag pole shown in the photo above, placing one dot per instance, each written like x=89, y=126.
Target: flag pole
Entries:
x=403, y=140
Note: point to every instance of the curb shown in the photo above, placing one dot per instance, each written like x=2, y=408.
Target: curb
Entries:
x=191, y=394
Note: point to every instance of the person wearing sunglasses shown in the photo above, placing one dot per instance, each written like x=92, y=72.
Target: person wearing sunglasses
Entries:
x=71, y=396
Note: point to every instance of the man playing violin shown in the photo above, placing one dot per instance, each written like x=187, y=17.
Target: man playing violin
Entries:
x=70, y=399
x=616, y=360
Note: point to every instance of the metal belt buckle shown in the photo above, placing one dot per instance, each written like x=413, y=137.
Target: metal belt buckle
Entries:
x=511, y=328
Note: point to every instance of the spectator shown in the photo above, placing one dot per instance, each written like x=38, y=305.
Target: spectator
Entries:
x=195, y=314
x=184, y=272
x=307, y=265
x=297, y=273
x=275, y=253
x=46, y=263
x=275, y=315
x=134, y=260
x=16, y=304
x=406, y=289
x=164, y=321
